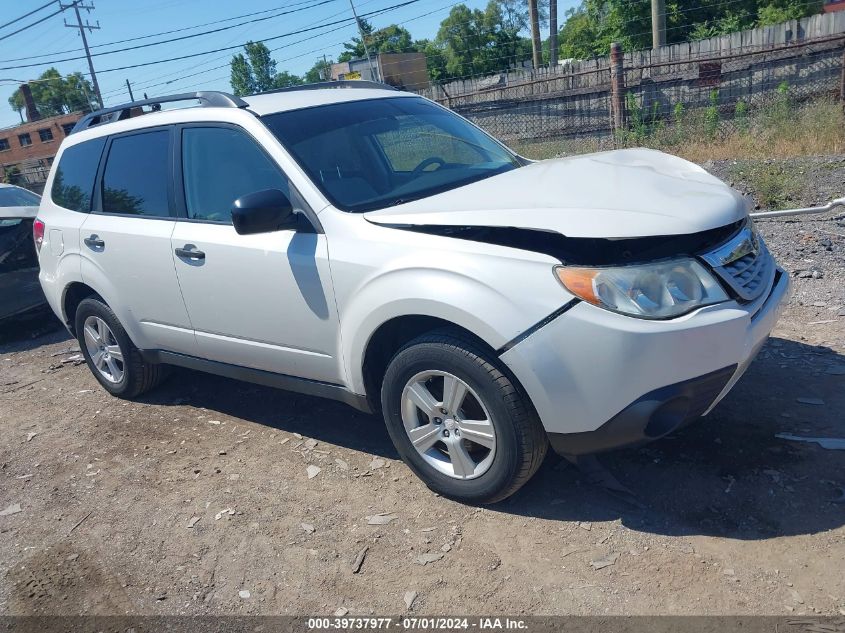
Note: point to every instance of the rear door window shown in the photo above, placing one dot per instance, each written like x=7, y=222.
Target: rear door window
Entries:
x=73, y=184
x=136, y=176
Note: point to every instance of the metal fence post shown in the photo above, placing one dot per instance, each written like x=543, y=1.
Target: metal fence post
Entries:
x=842, y=81
x=617, y=87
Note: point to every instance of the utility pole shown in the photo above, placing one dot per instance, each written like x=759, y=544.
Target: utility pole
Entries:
x=658, y=23
x=552, y=33
x=536, y=46
x=373, y=74
x=81, y=27
x=129, y=88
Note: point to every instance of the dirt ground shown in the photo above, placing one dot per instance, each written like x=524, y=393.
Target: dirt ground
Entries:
x=197, y=499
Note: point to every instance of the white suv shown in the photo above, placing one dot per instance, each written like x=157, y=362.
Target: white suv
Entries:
x=371, y=246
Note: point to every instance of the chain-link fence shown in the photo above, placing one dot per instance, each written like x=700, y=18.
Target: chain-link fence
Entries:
x=701, y=90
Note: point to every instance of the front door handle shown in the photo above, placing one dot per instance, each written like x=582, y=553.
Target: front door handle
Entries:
x=189, y=251
x=94, y=241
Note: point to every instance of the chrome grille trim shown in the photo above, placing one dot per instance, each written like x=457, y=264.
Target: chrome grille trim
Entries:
x=744, y=264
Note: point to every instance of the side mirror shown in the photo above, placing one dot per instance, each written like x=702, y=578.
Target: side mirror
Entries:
x=263, y=212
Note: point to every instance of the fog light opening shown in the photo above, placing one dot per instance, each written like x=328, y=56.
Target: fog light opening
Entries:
x=667, y=417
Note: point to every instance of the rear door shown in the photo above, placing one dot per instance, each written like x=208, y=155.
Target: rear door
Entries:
x=125, y=241
x=64, y=208
x=261, y=301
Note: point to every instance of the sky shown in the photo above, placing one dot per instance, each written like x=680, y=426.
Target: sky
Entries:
x=50, y=40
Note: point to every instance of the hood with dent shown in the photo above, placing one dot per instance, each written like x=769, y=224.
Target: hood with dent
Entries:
x=617, y=194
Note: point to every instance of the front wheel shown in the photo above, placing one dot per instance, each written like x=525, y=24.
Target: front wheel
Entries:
x=458, y=421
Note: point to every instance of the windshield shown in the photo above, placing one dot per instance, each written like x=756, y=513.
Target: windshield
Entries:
x=377, y=153
x=18, y=197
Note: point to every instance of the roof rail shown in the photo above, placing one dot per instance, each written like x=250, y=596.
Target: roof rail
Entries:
x=208, y=99
x=339, y=83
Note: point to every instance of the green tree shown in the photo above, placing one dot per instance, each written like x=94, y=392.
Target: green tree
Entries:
x=776, y=12
x=242, y=81
x=475, y=42
x=54, y=94
x=285, y=79
x=391, y=39
x=354, y=49
x=320, y=71
x=434, y=58
x=578, y=37
x=262, y=64
x=590, y=28
x=256, y=71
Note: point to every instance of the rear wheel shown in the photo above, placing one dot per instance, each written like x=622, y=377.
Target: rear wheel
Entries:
x=458, y=420
x=115, y=362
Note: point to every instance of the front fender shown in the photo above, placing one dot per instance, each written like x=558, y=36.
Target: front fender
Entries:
x=491, y=313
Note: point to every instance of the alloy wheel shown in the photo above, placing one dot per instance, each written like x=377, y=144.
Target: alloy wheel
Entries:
x=103, y=349
x=448, y=424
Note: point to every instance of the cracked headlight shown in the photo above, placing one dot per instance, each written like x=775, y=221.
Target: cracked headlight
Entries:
x=650, y=291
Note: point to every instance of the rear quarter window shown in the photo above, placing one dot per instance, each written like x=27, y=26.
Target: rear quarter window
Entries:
x=73, y=184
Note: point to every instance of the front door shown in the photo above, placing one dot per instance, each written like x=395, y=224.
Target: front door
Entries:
x=125, y=242
x=260, y=301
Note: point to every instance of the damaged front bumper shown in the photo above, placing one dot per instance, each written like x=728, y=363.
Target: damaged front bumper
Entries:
x=600, y=380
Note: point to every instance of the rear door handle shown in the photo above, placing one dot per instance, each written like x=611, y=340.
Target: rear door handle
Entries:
x=188, y=251
x=94, y=241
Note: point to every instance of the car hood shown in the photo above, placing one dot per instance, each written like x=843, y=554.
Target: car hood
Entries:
x=618, y=194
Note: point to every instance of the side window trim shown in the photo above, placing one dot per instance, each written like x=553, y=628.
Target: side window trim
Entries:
x=97, y=200
x=179, y=176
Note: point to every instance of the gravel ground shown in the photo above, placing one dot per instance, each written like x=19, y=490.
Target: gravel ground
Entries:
x=810, y=247
x=200, y=498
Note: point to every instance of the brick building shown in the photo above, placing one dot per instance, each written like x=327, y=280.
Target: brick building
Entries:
x=27, y=150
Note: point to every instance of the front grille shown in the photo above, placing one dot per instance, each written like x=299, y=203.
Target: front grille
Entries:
x=744, y=264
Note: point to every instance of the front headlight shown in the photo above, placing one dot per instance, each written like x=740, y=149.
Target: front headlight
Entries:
x=650, y=291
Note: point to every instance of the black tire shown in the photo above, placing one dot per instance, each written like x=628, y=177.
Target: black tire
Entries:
x=521, y=441
x=139, y=376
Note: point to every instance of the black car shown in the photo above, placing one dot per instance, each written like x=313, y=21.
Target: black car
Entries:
x=20, y=291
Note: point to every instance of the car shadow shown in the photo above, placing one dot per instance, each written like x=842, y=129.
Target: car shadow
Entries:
x=725, y=475
x=31, y=330
x=325, y=420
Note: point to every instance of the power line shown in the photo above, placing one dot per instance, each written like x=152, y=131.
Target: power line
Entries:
x=36, y=23
x=311, y=52
x=144, y=37
x=171, y=40
x=273, y=50
x=26, y=15
x=266, y=39
x=147, y=83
